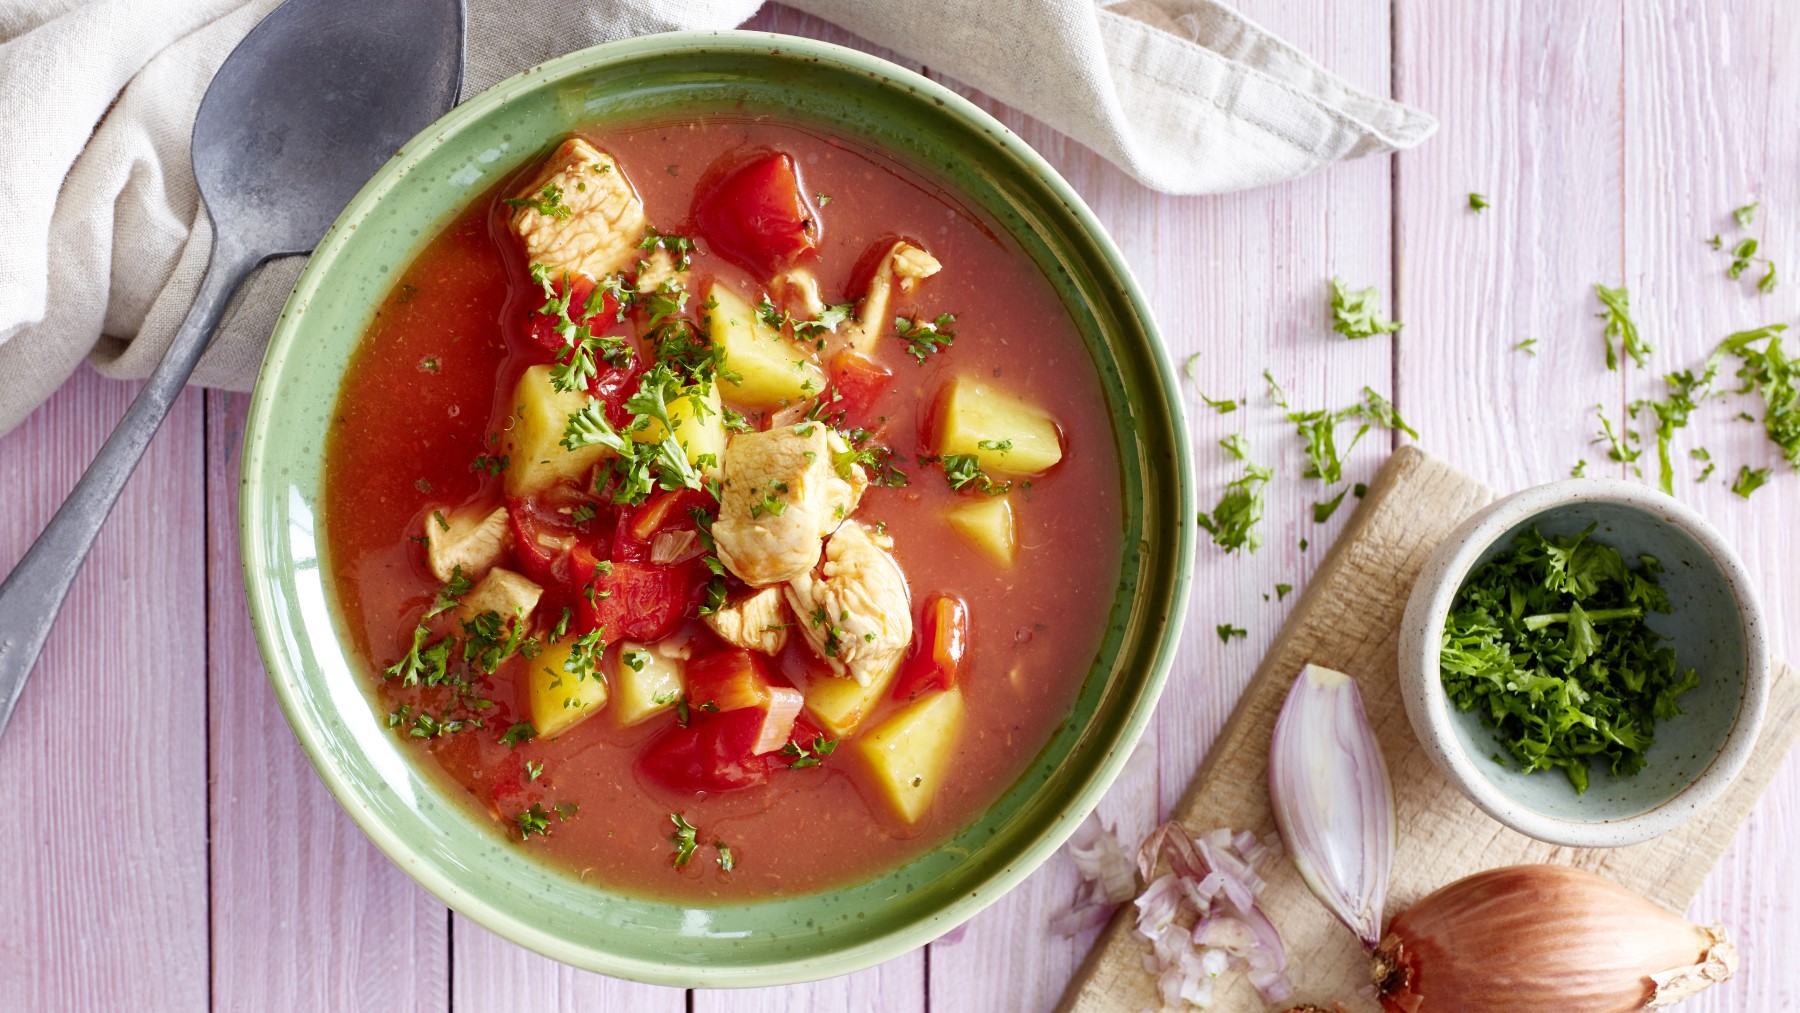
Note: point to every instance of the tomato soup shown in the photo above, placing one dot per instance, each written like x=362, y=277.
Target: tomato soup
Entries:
x=728, y=509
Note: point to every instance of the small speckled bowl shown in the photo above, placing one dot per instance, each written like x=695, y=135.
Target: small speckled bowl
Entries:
x=1715, y=625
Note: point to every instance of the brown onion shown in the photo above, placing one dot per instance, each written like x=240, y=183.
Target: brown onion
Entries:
x=1543, y=937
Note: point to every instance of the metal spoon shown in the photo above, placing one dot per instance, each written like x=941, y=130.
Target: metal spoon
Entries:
x=300, y=115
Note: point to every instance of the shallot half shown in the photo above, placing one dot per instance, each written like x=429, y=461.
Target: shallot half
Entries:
x=1332, y=799
x=1543, y=937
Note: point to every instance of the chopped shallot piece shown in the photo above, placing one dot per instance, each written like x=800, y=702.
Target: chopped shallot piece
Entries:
x=1107, y=878
x=778, y=721
x=1213, y=880
x=675, y=546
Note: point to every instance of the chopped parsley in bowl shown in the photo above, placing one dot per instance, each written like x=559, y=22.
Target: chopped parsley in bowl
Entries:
x=1586, y=660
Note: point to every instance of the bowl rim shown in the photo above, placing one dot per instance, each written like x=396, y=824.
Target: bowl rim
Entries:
x=287, y=682
x=1428, y=706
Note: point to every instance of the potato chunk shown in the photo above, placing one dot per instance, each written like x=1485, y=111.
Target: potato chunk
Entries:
x=909, y=752
x=766, y=369
x=986, y=525
x=649, y=682
x=533, y=447
x=467, y=539
x=699, y=421
x=560, y=698
x=1007, y=435
x=840, y=705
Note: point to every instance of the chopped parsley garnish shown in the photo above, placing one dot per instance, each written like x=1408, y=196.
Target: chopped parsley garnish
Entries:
x=728, y=861
x=1232, y=523
x=771, y=502
x=640, y=467
x=681, y=248
x=1318, y=429
x=1768, y=372
x=1579, y=471
x=997, y=446
x=1227, y=631
x=438, y=515
x=635, y=660
x=1685, y=392
x=924, y=337
x=533, y=770
x=492, y=465
x=1223, y=406
x=422, y=663
x=1547, y=643
x=449, y=596
x=1528, y=346
x=1358, y=314
x=964, y=471
x=879, y=461
x=1282, y=591
x=1619, y=449
x=489, y=639
x=1746, y=215
x=584, y=655
x=1749, y=480
x=800, y=755
x=548, y=202
x=1616, y=303
x=1478, y=203
x=1190, y=367
x=519, y=733
x=686, y=838
x=823, y=199
x=533, y=821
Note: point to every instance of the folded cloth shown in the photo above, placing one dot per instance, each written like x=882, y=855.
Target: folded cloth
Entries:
x=105, y=242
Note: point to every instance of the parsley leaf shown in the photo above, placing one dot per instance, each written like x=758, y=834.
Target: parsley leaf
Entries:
x=533, y=821
x=728, y=861
x=801, y=755
x=685, y=837
x=1477, y=203
x=548, y=202
x=1768, y=372
x=1746, y=215
x=964, y=471
x=1617, y=314
x=1227, y=631
x=1546, y=642
x=518, y=734
x=1357, y=314
x=1749, y=480
x=923, y=337
x=1232, y=522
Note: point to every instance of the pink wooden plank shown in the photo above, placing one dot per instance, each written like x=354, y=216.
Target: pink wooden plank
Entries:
x=898, y=985
x=105, y=758
x=1702, y=92
x=307, y=914
x=1528, y=95
x=495, y=976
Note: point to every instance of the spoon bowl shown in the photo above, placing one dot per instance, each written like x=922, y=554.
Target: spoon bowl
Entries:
x=318, y=95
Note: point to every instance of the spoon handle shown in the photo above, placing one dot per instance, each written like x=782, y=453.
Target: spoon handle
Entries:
x=33, y=593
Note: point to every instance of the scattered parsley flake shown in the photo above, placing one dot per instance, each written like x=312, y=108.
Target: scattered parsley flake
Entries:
x=924, y=337
x=1619, y=325
x=1749, y=480
x=685, y=838
x=518, y=734
x=1357, y=314
x=1478, y=203
x=533, y=821
x=1232, y=522
x=1227, y=631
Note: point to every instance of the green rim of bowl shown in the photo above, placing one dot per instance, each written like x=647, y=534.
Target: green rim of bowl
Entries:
x=411, y=815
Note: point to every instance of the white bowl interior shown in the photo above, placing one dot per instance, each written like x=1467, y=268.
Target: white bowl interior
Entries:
x=1708, y=635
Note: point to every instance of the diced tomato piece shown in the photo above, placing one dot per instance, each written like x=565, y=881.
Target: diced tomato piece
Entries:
x=861, y=381
x=599, y=318
x=938, y=649
x=641, y=601
x=545, y=532
x=734, y=679
x=755, y=215
x=668, y=510
x=615, y=385
x=712, y=754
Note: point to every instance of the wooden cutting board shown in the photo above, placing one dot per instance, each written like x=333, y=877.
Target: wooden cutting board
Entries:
x=1348, y=619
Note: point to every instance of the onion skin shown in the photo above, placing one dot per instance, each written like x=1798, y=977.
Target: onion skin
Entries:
x=1543, y=937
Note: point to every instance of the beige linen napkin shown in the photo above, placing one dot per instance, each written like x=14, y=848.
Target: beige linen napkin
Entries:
x=102, y=243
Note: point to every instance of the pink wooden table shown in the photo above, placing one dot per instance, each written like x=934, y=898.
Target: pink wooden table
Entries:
x=170, y=849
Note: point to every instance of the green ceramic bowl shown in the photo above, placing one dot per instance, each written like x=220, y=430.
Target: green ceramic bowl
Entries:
x=410, y=814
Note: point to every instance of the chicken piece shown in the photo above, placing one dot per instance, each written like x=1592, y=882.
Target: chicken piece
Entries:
x=905, y=265
x=466, y=538
x=581, y=215
x=502, y=592
x=783, y=493
x=757, y=623
x=858, y=614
